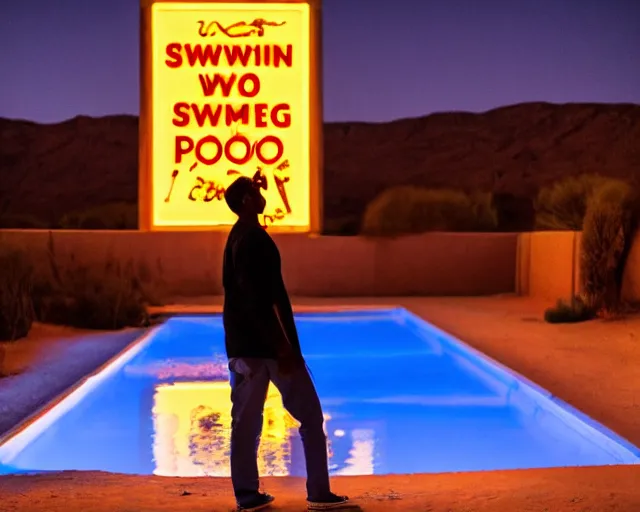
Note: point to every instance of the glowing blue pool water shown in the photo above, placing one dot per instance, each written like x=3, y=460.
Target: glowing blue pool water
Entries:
x=399, y=395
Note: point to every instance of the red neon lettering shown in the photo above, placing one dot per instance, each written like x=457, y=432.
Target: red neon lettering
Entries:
x=197, y=53
x=279, y=149
x=283, y=121
x=248, y=150
x=175, y=57
x=185, y=145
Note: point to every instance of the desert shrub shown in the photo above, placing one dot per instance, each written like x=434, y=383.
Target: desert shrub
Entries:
x=408, y=209
x=610, y=223
x=16, y=309
x=563, y=205
x=21, y=221
x=108, y=296
x=569, y=312
x=112, y=216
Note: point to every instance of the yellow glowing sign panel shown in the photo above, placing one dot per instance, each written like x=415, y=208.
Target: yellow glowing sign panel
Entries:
x=230, y=97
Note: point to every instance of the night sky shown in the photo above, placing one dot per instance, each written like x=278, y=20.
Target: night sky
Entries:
x=382, y=59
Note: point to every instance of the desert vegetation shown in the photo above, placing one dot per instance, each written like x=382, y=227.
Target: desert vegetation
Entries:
x=59, y=289
x=408, y=209
x=563, y=204
x=16, y=312
x=607, y=212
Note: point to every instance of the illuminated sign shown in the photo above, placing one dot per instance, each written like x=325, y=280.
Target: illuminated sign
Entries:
x=227, y=91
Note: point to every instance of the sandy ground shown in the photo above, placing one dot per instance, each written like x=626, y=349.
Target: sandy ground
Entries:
x=48, y=362
x=594, y=366
x=558, y=490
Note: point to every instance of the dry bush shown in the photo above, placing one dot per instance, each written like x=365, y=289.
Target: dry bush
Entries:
x=569, y=312
x=70, y=293
x=16, y=309
x=609, y=226
x=408, y=209
x=563, y=205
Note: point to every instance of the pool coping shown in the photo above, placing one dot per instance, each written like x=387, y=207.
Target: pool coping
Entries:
x=579, y=420
x=158, y=312
x=36, y=415
x=216, y=309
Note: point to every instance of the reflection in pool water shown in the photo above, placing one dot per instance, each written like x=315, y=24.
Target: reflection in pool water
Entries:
x=192, y=426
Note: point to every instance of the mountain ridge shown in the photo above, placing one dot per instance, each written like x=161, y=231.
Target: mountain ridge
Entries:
x=47, y=170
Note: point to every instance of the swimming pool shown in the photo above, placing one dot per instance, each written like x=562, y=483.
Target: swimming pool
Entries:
x=399, y=396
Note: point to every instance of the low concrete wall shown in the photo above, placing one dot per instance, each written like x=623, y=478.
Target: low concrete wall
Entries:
x=189, y=263
x=548, y=266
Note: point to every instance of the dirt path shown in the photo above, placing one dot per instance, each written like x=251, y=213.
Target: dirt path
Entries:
x=559, y=490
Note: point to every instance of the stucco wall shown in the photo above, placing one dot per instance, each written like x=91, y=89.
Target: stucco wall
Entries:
x=548, y=266
x=189, y=263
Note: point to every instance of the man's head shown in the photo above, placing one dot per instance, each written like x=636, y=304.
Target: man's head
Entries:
x=244, y=198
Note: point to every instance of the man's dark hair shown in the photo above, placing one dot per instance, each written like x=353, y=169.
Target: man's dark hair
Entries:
x=236, y=192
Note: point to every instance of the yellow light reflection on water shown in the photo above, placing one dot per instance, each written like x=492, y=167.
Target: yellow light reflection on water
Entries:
x=192, y=423
x=192, y=427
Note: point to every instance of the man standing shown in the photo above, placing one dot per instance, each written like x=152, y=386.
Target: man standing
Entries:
x=262, y=346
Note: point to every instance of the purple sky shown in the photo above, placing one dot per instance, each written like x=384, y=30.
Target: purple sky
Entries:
x=382, y=59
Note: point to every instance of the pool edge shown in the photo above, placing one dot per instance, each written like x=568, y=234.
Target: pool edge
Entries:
x=59, y=399
x=530, y=386
x=216, y=309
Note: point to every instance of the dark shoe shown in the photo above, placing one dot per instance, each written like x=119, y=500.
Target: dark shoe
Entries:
x=260, y=502
x=331, y=502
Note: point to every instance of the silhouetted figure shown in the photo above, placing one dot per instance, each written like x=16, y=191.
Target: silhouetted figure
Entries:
x=262, y=346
